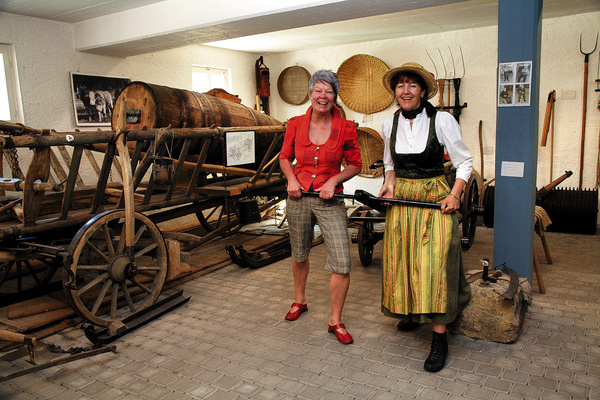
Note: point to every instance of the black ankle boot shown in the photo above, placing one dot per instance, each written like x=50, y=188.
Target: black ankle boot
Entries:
x=439, y=350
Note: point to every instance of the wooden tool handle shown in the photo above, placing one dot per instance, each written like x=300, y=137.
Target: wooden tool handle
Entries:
x=441, y=84
x=549, y=110
x=583, y=116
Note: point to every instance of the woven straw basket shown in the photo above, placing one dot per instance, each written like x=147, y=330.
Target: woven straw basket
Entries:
x=292, y=85
x=371, y=149
x=361, y=84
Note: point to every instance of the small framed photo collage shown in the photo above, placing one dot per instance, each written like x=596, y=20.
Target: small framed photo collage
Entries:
x=514, y=84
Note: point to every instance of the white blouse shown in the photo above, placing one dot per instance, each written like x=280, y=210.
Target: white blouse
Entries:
x=413, y=141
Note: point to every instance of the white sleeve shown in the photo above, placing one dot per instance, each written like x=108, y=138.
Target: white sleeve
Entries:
x=449, y=134
x=386, y=131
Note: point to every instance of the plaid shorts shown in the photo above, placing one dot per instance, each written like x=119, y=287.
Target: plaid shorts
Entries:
x=303, y=213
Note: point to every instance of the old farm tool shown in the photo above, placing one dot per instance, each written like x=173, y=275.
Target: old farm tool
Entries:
x=585, y=83
x=367, y=236
x=549, y=128
x=453, y=84
x=59, y=361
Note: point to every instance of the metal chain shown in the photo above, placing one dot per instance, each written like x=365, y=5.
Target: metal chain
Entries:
x=13, y=161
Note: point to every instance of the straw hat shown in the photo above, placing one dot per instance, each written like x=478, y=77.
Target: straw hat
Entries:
x=417, y=69
x=361, y=87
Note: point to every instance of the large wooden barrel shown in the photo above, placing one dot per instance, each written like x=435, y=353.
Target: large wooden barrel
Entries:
x=156, y=106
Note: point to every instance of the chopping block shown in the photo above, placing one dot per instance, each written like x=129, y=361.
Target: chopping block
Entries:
x=490, y=315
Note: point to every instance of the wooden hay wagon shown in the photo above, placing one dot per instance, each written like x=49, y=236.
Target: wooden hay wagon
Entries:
x=104, y=236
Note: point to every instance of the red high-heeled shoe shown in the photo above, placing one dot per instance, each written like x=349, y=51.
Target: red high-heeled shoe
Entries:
x=294, y=315
x=343, y=338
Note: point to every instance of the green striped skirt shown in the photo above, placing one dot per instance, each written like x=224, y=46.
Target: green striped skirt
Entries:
x=423, y=275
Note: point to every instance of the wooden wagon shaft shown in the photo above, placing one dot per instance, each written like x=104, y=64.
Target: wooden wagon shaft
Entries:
x=190, y=166
x=87, y=138
x=18, y=185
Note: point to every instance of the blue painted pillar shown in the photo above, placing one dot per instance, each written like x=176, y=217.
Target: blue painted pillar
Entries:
x=519, y=34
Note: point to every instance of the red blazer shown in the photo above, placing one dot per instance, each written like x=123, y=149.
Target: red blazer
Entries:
x=316, y=164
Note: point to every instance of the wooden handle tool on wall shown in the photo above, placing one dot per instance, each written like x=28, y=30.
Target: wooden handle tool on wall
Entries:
x=585, y=84
x=547, y=116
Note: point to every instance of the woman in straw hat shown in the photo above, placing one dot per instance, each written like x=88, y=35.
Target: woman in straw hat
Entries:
x=423, y=276
x=319, y=140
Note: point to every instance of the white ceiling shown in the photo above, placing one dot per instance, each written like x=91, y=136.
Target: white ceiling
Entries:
x=264, y=26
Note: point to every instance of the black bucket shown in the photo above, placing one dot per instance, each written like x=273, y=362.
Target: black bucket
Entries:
x=249, y=212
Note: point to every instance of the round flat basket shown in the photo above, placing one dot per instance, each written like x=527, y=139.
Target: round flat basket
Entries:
x=292, y=85
x=371, y=149
x=361, y=84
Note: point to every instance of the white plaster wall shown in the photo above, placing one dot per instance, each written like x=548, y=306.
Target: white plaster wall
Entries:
x=45, y=59
x=561, y=70
x=45, y=56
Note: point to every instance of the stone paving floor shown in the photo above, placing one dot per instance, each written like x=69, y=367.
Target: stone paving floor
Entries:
x=230, y=341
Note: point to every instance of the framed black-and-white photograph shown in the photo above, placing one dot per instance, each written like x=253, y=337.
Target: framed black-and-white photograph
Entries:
x=94, y=97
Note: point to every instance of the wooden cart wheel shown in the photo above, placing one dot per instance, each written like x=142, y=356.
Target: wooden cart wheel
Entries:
x=366, y=241
x=110, y=284
x=218, y=212
x=22, y=276
x=469, y=211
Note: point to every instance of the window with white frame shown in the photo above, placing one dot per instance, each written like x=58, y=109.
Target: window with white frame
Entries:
x=8, y=85
x=207, y=78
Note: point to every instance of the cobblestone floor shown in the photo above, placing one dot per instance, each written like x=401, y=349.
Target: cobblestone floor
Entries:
x=230, y=341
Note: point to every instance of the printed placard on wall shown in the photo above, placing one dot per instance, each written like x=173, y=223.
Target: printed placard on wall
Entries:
x=239, y=147
x=514, y=84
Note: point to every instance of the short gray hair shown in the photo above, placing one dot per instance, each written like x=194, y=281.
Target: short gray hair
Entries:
x=327, y=76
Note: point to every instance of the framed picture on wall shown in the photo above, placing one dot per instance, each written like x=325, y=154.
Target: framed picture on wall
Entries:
x=94, y=97
x=514, y=82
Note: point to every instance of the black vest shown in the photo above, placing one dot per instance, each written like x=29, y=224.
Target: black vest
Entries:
x=428, y=164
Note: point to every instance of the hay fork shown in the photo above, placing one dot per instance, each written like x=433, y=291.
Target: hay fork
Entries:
x=585, y=83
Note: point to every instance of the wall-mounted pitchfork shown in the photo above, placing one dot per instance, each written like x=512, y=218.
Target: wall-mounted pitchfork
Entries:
x=585, y=83
x=456, y=81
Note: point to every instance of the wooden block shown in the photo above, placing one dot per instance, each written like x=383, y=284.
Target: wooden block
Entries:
x=173, y=252
x=35, y=306
x=36, y=321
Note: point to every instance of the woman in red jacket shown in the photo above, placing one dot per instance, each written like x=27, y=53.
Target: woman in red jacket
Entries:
x=319, y=140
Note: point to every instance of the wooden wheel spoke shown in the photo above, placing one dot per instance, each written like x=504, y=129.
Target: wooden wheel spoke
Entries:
x=109, y=244
x=140, y=285
x=4, y=271
x=97, y=251
x=114, y=301
x=128, y=297
x=19, y=277
x=107, y=284
x=147, y=269
x=103, y=267
x=121, y=244
x=146, y=250
x=139, y=233
x=34, y=275
x=92, y=283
